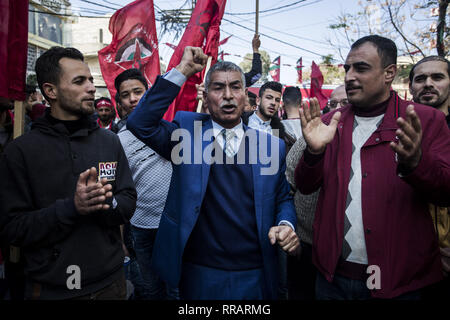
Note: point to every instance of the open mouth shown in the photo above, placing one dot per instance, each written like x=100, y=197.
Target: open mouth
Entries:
x=229, y=108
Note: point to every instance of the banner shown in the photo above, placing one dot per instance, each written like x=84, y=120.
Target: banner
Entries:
x=316, y=86
x=224, y=40
x=203, y=30
x=171, y=45
x=274, y=69
x=13, y=48
x=299, y=68
x=134, y=44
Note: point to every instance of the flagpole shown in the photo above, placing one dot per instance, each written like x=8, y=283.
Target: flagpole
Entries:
x=200, y=102
x=257, y=17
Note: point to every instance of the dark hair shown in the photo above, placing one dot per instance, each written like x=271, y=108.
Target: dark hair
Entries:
x=96, y=101
x=223, y=66
x=251, y=98
x=130, y=74
x=273, y=85
x=292, y=96
x=29, y=90
x=387, y=50
x=117, y=98
x=47, y=67
x=426, y=59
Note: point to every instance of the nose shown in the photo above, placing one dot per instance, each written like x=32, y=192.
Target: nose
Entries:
x=133, y=97
x=349, y=75
x=228, y=94
x=91, y=88
x=428, y=82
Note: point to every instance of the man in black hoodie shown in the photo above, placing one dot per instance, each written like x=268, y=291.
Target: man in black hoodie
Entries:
x=65, y=189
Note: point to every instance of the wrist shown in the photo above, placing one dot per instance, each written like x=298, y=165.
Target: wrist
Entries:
x=183, y=69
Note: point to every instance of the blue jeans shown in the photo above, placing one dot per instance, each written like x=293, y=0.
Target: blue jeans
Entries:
x=155, y=288
x=343, y=288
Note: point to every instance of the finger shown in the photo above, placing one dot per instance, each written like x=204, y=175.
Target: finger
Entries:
x=405, y=140
x=415, y=120
x=95, y=193
x=92, y=175
x=284, y=233
x=407, y=128
x=103, y=181
x=315, y=108
x=273, y=235
x=96, y=201
x=92, y=187
x=307, y=112
x=104, y=207
x=108, y=194
x=335, y=120
x=82, y=179
x=398, y=148
x=107, y=187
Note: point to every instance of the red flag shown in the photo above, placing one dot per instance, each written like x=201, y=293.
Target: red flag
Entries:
x=299, y=70
x=203, y=30
x=222, y=55
x=316, y=86
x=134, y=44
x=13, y=48
x=224, y=40
x=171, y=45
x=274, y=69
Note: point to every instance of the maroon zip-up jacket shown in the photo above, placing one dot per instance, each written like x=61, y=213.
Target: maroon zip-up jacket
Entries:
x=399, y=233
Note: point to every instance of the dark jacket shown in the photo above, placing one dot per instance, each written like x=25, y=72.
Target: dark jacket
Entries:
x=39, y=172
x=398, y=229
x=255, y=73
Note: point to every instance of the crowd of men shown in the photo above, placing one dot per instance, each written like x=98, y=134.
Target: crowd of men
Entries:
x=235, y=202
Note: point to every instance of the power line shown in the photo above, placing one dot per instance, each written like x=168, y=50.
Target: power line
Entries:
x=270, y=37
x=99, y=5
x=264, y=11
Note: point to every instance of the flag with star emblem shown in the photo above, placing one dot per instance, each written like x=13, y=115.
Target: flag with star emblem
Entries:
x=203, y=30
x=274, y=69
x=134, y=44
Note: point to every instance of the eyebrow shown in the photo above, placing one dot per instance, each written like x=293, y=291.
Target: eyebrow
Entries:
x=216, y=83
x=357, y=64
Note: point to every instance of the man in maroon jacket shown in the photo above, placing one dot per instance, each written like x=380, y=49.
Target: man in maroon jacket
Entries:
x=379, y=161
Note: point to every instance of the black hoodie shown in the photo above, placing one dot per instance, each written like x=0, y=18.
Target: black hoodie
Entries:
x=38, y=176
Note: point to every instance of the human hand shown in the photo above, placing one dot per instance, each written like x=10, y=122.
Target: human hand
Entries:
x=286, y=237
x=91, y=194
x=317, y=134
x=256, y=43
x=200, y=91
x=193, y=61
x=409, y=133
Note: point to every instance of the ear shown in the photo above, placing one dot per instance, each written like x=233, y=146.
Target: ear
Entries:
x=50, y=90
x=258, y=100
x=390, y=72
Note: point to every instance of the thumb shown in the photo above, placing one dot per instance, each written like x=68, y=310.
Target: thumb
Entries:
x=273, y=235
x=82, y=179
x=335, y=120
x=92, y=175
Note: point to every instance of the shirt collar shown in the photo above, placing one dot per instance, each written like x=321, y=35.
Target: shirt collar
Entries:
x=261, y=121
x=238, y=129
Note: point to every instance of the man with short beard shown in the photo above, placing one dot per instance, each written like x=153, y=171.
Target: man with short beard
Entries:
x=378, y=162
x=265, y=118
x=430, y=85
x=65, y=189
x=106, y=114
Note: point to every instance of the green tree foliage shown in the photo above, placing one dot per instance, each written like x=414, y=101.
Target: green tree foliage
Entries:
x=246, y=63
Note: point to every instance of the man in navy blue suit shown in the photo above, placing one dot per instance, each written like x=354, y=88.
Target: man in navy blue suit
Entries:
x=228, y=202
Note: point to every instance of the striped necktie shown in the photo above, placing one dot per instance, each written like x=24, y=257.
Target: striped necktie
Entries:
x=228, y=136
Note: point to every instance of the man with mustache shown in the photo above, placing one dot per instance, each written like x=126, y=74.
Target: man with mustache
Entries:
x=65, y=189
x=429, y=83
x=379, y=161
x=217, y=234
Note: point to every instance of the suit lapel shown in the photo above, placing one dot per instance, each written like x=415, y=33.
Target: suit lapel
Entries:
x=257, y=185
x=207, y=125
